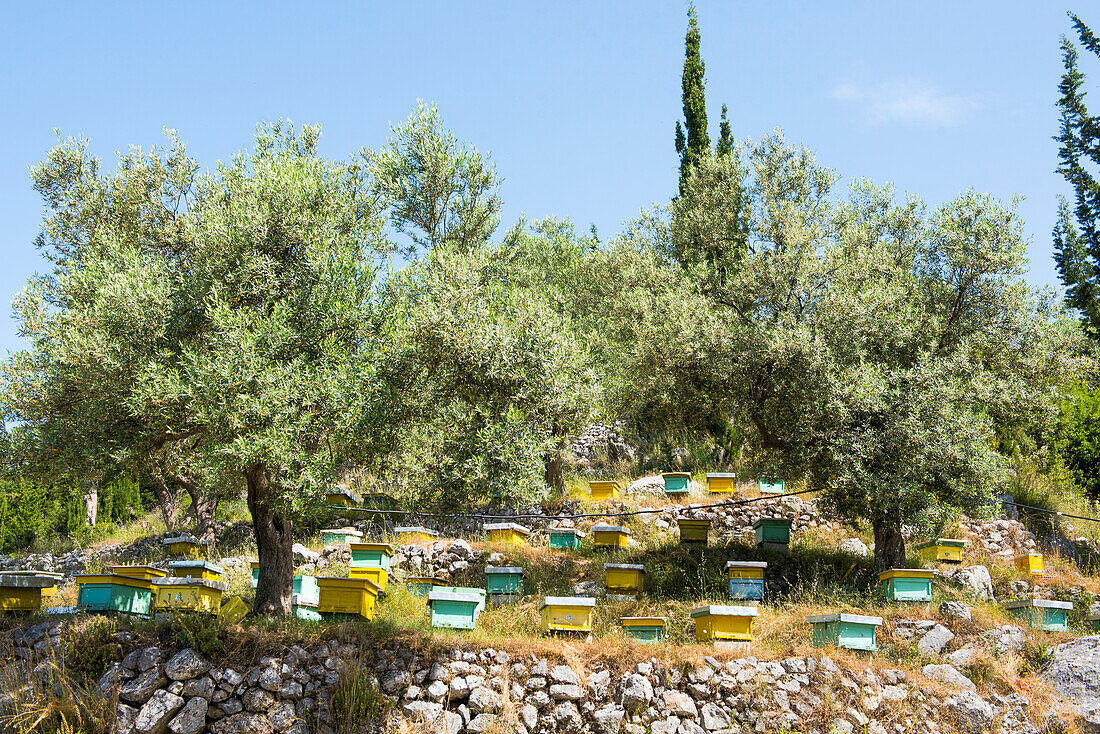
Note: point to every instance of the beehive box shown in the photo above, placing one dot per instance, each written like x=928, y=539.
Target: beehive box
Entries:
x=746, y=579
x=455, y=608
x=851, y=631
x=677, y=483
x=604, y=489
x=346, y=597
x=380, y=501
x=415, y=534
x=906, y=584
x=343, y=498
x=721, y=482
x=1094, y=622
x=1045, y=614
x=693, y=531
x=644, y=629
x=565, y=538
x=1031, y=564
x=50, y=590
x=372, y=554
x=255, y=573
x=771, y=486
x=773, y=532
x=944, y=550
x=305, y=587
x=609, y=536
x=108, y=592
x=233, y=610
x=139, y=572
x=421, y=585
x=195, y=570
x=186, y=545
x=340, y=535
x=305, y=608
x=719, y=622
x=507, y=532
x=504, y=581
x=23, y=593
x=380, y=576
x=479, y=593
x=188, y=594
x=624, y=578
x=566, y=613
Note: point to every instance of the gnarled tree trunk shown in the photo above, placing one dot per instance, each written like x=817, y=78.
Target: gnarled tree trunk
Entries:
x=204, y=507
x=274, y=541
x=889, y=542
x=91, y=502
x=168, y=501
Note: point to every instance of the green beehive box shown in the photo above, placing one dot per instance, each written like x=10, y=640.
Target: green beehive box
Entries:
x=371, y=555
x=455, y=607
x=851, y=631
x=772, y=486
x=773, y=531
x=305, y=608
x=565, y=538
x=114, y=593
x=306, y=588
x=421, y=585
x=644, y=629
x=340, y=535
x=677, y=482
x=504, y=581
x=1094, y=622
x=906, y=584
x=1045, y=614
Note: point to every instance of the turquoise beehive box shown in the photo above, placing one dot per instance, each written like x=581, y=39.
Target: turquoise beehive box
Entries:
x=1045, y=614
x=677, y=482
x=305, y=608
x=504, y=583
x=773, y=533
x=906, y=584
x=565, y=538
x=851, y=631
x=114, y=593
x=455, y=608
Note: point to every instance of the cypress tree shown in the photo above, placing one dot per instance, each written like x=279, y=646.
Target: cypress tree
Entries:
x=725, y=137
x=696, y=141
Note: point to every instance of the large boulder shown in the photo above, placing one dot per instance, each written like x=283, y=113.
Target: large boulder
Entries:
x=976, y=581
x=185, y=665
x=154, y=715
x=1074, y=672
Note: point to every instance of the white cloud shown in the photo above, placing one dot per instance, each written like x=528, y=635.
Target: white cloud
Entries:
x=911, y=102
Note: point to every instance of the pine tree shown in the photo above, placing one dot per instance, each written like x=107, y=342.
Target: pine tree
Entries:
x=725, y=137
x=696, y=141
x=1076, y=234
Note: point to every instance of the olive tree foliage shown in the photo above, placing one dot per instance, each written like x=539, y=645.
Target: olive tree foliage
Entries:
x=439, y=190
x=870, y=345
x=225, y=323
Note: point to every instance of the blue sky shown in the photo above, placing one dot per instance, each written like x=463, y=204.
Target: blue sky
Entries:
x=576, y=101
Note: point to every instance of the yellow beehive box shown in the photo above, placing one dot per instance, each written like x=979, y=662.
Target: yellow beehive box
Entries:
x=188, y=594
x=507, y=532
x=195, y=570
x=566, y=613
x=604, y=489
x=186, y=545
x=234, y=610
x=49, y=591
x=347, y=596
x=721, y=622
x=139, y=572
x=609, y=536
x=23, y=593
x=624, y=578
x=343, y=498
x=948, y=550
x=415, y=534
x=378, y=576
x=693, y=531
x=720, y=482
x=1030, y=563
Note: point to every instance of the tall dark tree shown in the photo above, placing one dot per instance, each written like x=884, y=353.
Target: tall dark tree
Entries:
x=725, y=136
x=696, y=142
x=1076, y=235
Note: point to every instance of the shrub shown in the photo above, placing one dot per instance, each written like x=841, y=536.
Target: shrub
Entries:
x=89, y=649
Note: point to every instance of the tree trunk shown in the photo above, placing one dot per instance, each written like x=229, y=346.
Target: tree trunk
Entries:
x=553, y=472
x=274, y=540
x=889, y=543
x=204, y=507
x=168, y=501
x=91, y=502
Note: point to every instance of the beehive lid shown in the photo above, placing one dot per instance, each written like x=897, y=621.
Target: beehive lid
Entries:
x=610, y=529
x=763, y=520
x=565, y=531
x=415, y=529
x=721, y=475
x=675, y=474
x=185, y=539
x=113, y=578
x=908, y=573
x=1030, y=555
x=852, y=618
x=746, y=564
x=508, y=526
x=1092, y=618
x=151, y=570
x=604, y=481
x=338, y=581
x=187, y=581
x=693, y=521
x=624, y=567
x=384, y=547
x=298, y=600
x=567, y=601
x=30, y=572
x=204, y=565
x=14, y=581
x=441, y=595
x=953, y=542
x=1038, y=604
x=342, y=531
x=724, y=610
x=503, y=569
x=643, y=621
x=346, y=493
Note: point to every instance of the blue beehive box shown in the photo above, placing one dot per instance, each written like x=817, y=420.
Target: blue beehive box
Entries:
x=746, y=579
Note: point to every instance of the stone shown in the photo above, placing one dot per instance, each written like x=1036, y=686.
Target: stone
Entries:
x=1004, y=639
x=243, y=723
x=124, y=719
x=566, y=692
x=156, y=712
x=636, y=693
x=679, y=704
x=202, y=687
x=713, y=717
x=609, y=719
x=394, y=681
x=282, y=716
x=482, y=700
x=597, y=684
x=436, y=691
x=954, y=610
x=564, y=674
x=976, y=581
x=185, y=665
x=257, y=700
x=302, y=554
x=191, y=719
x=149, y=657
x=855, y=547
x=138, y=690
x=950, y=675
x=935, y=640
x=567, y=717
x=482, y=723
x=962, y=657
x=1072, y=673
x=111, y=679
x=270, y=680
x=974, y=713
